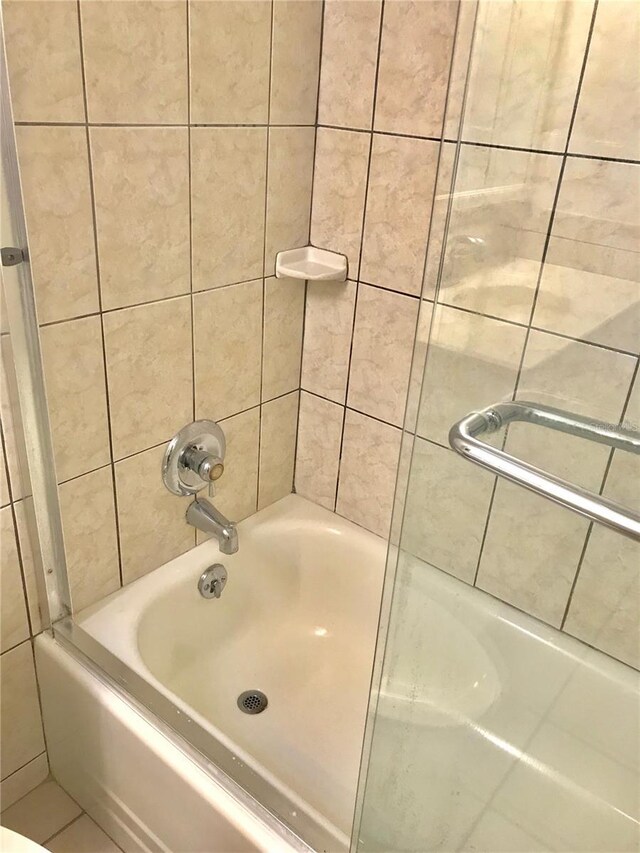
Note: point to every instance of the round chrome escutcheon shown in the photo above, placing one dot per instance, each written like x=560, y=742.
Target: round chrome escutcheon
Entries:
x=203, y=435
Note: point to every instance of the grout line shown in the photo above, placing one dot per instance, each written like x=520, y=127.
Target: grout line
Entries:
x=22, y=766
x=187, y=293
x=414, y=397
x=31, y=642
x=12, y=649
x=14, y=520
x=315, y=137
x=362, y=228
x=542, y=262
x=488, y=145
x=306, y=284
x=263, y=324
x=352, y=409
x=465, y=142
x=189, y=179
x=603, y=483
x=100, y=301
x=164, y=441
x=66, y=825
x=134, y=125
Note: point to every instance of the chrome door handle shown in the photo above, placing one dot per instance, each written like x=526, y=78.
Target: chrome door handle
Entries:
x=463, y=438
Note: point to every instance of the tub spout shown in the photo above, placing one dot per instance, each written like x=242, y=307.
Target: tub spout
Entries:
x=206, y=517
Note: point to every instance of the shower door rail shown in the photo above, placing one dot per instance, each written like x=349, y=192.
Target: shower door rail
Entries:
x=463, y=438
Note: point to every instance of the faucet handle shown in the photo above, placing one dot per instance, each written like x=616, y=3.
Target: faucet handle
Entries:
x=206, y=465
x=194, y=458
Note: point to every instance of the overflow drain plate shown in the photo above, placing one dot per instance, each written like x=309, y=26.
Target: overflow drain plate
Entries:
x=252, y=701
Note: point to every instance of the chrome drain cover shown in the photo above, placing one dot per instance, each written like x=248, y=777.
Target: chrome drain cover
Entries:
x=252, y=701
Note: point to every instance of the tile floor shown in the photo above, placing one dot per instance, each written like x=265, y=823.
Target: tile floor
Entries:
x=49, y=816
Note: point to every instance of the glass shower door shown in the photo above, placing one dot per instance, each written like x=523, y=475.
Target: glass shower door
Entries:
x=506, y=707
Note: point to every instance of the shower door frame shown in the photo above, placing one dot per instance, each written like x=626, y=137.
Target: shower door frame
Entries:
x=35, y=445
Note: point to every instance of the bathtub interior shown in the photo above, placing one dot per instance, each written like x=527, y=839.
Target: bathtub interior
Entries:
x=297, y=620
x=505, y=734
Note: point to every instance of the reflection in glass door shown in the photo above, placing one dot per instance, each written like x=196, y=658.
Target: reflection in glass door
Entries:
x=506, y=711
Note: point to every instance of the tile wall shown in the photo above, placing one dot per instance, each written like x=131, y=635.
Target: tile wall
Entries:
x=23, y=757
x=383, y=83
x=157, y=302
x=538, y=300
x=166, y=151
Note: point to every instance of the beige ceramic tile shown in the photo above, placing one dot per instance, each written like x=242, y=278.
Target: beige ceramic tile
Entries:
x=596, y=204
x=24, y=780
x=497, y=230
x=82, y=836
x=589, y=287
x=149, y=370
x=43, y=812
x=575, y=377
x=13, y=623
x=349, y=56
x=289, y=190
x=446, y=510
x=237, y=490
x=399, y=198
x=228, y=346
x=283, y=318
x=278, y=430
x=131, y=48
x=590, y=292
x=338, y=192
x=608, y=118
x=74, y=375
x=89, y=525
x=383, y=339
x=230, y=43
x=328, y=328
x=20, y=723
x=228, y=200
x=43, y=55
x=415, y=54
x=141, y=182
x=525, y=70
x=531, y=552
x=151, y=520
x=31, y=566
x=606, y=601
x=472, y=363
x=460, y=66
x=418, y=362
x=368, y=466
x=5, y=495
x=295, y=61
x=318, y=451
x=440, y=220
x=11, y=422
x=55, y=184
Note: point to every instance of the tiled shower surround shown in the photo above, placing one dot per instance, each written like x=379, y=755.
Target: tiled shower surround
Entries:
x=539, y=295
x=167, y=152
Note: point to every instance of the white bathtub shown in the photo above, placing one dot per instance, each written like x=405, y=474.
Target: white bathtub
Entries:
x=494, y=731
x=297, y=620
x=503, y=734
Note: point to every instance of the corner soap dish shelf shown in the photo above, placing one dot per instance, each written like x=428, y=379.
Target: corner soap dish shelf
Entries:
x=311, y=264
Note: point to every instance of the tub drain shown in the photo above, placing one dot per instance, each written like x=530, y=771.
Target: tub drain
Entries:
x=252, y=701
